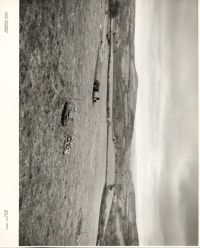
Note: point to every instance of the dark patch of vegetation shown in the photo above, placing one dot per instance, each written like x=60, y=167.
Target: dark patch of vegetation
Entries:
x=64, y=115
x=114, y=7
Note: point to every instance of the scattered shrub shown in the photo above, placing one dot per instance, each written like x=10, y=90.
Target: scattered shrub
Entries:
x=114, y=7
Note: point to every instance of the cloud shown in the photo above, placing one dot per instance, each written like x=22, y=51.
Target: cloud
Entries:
x=166, y=122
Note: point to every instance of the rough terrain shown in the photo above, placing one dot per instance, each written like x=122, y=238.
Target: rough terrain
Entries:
x=60, y=194
x=85, y=197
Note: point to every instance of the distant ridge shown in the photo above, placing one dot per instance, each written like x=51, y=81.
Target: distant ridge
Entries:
x=121, y=227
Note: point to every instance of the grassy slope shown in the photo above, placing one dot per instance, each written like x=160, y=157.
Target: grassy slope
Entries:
x=59, y=194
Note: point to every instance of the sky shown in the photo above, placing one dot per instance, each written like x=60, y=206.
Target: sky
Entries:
x=166, y=128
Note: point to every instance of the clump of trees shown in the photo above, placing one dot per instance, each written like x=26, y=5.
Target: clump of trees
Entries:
x=114, y=7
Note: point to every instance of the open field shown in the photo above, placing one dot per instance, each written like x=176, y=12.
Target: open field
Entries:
x=60, y=194
x=85, y=197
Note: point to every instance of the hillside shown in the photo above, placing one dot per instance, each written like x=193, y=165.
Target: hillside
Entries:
x=63, y=48
x=60, y=193
x=121, y=228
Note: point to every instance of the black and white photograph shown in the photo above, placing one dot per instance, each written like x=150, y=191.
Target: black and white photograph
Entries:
x=108, y=123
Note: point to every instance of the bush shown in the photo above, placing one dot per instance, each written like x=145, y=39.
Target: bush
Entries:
x=114, y=6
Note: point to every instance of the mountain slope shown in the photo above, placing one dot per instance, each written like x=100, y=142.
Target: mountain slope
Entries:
x=121, y=228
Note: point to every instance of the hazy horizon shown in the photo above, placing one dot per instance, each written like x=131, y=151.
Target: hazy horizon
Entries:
x=166, y=133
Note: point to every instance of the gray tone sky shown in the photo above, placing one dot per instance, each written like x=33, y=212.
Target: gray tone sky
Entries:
x=166, y=129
